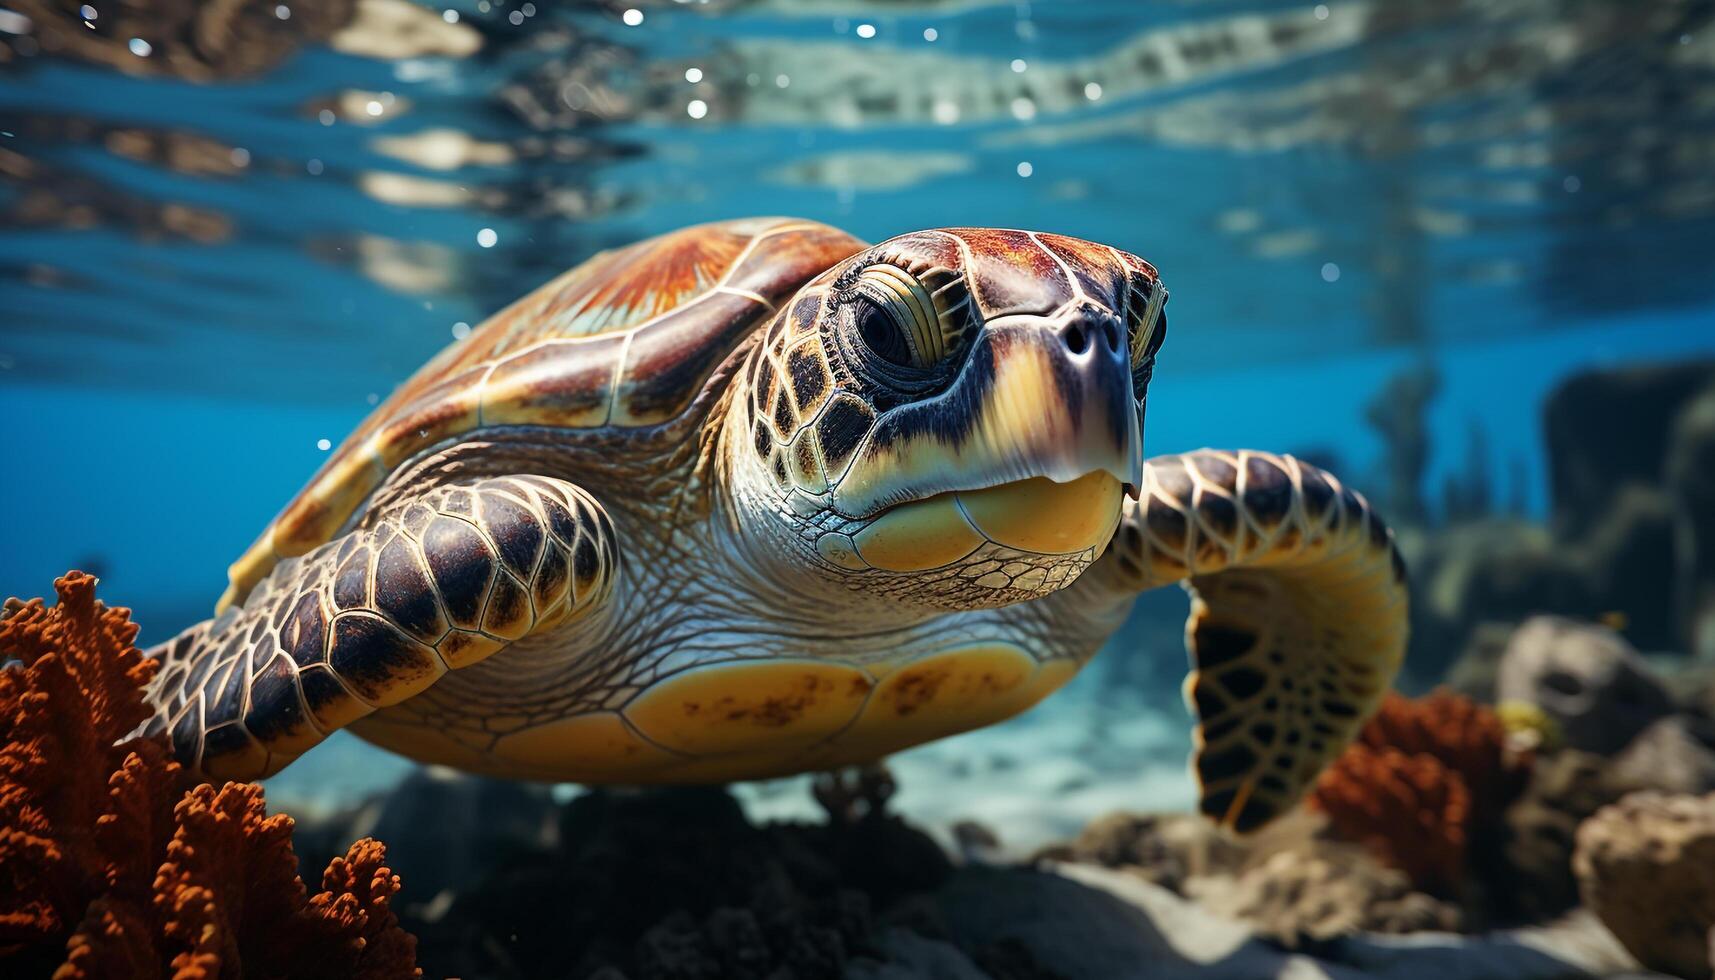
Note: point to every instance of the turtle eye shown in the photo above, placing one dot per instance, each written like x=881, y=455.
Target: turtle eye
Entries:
x=1148, y=322
x=896, y=318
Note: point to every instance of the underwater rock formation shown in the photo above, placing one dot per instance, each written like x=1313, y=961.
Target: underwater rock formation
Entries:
x=1290, y=883
x=1473, y=672
x=1585, y=677
x=1691, y=485
x=1630, y=539
x=1674, y=755
x=1565, y=789
x=442, y=827
x=675, y=884
x=1646, y=866
x=1595, y=452
x=109, y=867
x=1167, y=849
x=1323, y=891
x=1598, y=457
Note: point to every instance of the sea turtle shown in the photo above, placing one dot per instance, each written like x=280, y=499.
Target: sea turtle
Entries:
x=756, y=498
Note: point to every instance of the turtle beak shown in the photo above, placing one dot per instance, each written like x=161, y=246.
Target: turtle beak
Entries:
x=1037, y=397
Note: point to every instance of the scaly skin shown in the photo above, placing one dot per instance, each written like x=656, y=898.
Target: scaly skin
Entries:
x=897, y=510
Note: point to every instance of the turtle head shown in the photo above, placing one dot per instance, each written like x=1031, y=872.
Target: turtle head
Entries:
x=951, y=417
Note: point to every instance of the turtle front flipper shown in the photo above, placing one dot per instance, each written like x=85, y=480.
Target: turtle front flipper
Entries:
x=438, y=582
x=1298, y=616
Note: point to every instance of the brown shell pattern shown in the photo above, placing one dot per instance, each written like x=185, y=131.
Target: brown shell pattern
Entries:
x=625, y=340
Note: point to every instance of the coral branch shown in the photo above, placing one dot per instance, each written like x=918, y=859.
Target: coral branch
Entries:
x=106, y=857
x=1468, y=738
x=1425, y=779
x=1409, y=811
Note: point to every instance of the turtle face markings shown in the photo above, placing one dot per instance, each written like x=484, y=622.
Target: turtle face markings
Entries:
x=953, y=416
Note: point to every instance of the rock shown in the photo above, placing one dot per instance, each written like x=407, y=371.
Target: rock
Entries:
x=1573, y=946
x=1083, y=921
x=1586, y=678
x=1646, y=867
x=442, y=828
x=1494, y=571
x=1093, y=922
x=1628, y=559
x=1594, y=451
x=1163, y=848
x=1473, y=674
x=677, y=883
x=1662, y=444
x=1489, y=571
x=976, y=842
x=1632, y=531
x=1691, y=485
x=1322, y=892
x=1535, y=882
x=1692, y=685
x=909, y=956
x=1672, y=756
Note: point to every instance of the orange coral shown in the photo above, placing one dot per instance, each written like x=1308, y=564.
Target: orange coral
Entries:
x=1410, y=811
x=104, y=856
x=1463, y=735
x=1424, y=778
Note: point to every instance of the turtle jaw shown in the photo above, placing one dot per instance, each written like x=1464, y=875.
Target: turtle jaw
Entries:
x=1044, y=521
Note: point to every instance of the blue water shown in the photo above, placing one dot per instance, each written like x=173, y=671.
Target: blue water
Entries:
x=1334, y=194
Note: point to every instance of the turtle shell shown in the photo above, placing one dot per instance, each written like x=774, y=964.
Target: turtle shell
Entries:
x=623, y=341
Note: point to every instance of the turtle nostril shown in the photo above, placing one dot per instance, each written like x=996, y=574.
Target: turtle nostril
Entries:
x=1112, y=334
x=1074, y=339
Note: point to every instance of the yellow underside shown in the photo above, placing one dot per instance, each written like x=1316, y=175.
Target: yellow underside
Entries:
x=737, y=721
